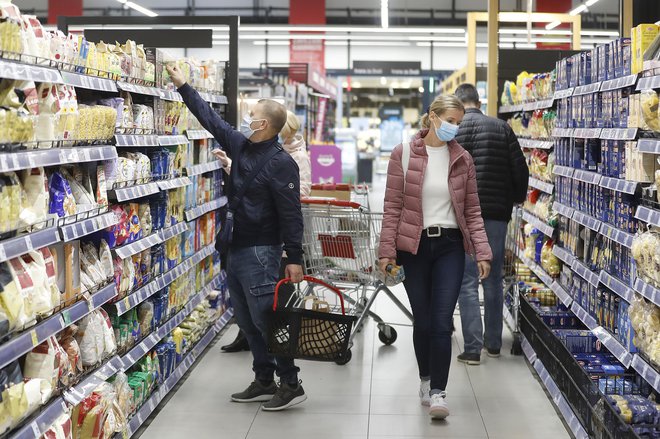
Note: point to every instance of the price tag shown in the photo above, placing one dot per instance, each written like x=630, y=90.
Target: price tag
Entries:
x=35, y=429
x=66, y=316
x=127, y=303
x=28, y=242
x=3, y=253
x=35, y=339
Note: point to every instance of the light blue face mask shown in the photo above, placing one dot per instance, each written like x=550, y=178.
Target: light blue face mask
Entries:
x=447, y=131
x=246, y=126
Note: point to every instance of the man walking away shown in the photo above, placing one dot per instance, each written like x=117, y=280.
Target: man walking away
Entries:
x=502, y=178
x=268, y=215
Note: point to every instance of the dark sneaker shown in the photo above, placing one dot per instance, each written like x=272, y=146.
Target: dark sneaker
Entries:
x=471, y=359
x=286, y=396
x=493, y=353
x=256, y=392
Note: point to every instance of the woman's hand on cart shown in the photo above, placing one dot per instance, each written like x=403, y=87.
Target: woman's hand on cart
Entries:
x=383, y=263
x=294, y=272
x=484, y=269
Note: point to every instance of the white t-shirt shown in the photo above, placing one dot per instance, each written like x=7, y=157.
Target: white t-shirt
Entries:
x=436, y=199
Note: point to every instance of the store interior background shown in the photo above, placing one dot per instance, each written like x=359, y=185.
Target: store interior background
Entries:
x=370, y=108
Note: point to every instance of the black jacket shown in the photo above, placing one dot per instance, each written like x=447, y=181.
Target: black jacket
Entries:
x=502, y=173
x=269, y=213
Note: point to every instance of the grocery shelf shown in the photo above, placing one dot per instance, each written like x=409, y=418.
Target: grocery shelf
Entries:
x=81, y=308
x=82, y=390
x=587, y=176
x=198, y=134
x=20, y=245
x=166, y=185
x=543, y=186
x=561, y=294
x=536, y=269
x=587, y=89
x=16, y=161
x=584, y=316
x=616, y=285
x=564, y=255
x=615, y=184
x=139, y=89
x=623, y=82
x=88, y=226
x=527, y=350
x=614, y=346
x=133, y=192
x=511, y=108
x=128, y=250
x=536, y=143
x=648, y=215
x=587, y=133
x=648, y=82
x=587, y=221
x=563, y=132
x=563, y=94
x=41, y=422
x=170, y=95
x=159, y=394
x=619, y=133
x=563, y=171
x=198, y=211
x=213, y=98
x=89, y=82
x=563, y=210
x=650, y=146
x=616, y=235
x=172, y=231
x=203, y=167
x=648, y=372
x=28, y=72
x=139, y=140
x=648, y=291
x=539, y=224
x=172, y=140
x=585, y=273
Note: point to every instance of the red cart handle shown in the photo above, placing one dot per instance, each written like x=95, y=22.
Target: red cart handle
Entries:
x=312, y=280
x=338, y=203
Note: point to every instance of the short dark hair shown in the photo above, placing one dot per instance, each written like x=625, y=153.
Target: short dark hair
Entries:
x=468, y=94
x=275, y=113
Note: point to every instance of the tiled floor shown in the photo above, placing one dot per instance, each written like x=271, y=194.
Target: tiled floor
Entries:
x=374, y=396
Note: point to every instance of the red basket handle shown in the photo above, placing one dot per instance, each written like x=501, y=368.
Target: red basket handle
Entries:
x=337, y=203
x=312, y=280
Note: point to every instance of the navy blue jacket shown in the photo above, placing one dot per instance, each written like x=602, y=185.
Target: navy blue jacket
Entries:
x=270, y=211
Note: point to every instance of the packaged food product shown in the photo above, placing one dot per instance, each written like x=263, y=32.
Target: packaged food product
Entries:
x=105, y=256
x=650, y=104
x=135, y=229
x=61, y=200
x=144, y=212
x=35, y=187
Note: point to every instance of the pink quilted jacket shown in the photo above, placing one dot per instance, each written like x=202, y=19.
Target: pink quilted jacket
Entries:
x=403, y=220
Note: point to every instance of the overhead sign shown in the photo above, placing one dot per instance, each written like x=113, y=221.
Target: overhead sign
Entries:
x=387, y=68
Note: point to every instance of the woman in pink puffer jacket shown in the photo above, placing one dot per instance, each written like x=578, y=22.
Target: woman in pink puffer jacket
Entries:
x=432, y=218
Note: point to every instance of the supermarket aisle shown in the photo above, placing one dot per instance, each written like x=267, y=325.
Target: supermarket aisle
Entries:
x=374, y=396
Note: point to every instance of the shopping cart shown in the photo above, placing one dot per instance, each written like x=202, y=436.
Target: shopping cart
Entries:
x=514, y=242
x=344, y=192
x=313, y=326
x=340, y=244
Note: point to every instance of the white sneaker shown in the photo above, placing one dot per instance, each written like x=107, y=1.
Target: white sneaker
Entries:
x=439, y=408
x=424, y=392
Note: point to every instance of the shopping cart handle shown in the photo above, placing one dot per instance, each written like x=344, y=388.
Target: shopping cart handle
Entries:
x=312, y=280
x=328, y=202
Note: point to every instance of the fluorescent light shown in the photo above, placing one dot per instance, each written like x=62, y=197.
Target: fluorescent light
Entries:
x=580, y=9
x=535, y=40
x=421, y=89
x=353, y=29
x=591, y=2
x=436, y=38
x=384, y=14
x=369, y=43
x=271, y=43
x=552, y=25
x=383, y=80
x=601, y=33
x=138, y=8
x=356, y=84
x=221, y=43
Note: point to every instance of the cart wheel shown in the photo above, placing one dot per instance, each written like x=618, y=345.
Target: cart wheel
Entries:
x=344, y=359
x=516, y=349
x=385, y=338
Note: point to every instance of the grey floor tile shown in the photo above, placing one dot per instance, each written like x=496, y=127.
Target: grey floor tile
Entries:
x=513, y=425
x=400, y=405
x=296, y=423
x=402, y=425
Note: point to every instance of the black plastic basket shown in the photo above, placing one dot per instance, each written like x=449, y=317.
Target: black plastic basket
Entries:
x=307, y=334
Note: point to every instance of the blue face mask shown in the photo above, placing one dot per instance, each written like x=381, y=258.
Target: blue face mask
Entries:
x=447, y=131
x=246, y=126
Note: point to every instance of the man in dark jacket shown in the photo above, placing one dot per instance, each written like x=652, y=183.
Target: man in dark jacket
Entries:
x=502, y=178
x=268, y=216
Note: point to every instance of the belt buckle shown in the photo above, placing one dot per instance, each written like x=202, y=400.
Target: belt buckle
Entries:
x=434, y=232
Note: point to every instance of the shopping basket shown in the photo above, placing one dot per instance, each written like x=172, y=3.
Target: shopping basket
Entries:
x=311, y=327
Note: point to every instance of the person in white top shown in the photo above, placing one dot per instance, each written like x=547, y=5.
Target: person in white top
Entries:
x=436, y=200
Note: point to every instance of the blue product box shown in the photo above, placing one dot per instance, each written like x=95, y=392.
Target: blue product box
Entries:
x=585, y=68
x=579, y=342
x=594, y=64
x=592, y=154
x=626, y=53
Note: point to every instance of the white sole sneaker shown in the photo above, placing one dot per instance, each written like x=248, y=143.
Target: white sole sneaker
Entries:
x=295, y=401
x=261, y=398
x=439, y=412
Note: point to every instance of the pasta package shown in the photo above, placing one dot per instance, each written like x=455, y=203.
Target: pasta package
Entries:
x=62, y=203
x=35, y=187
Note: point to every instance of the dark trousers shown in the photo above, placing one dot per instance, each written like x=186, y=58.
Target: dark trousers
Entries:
x=433, y=282
x=252, y=273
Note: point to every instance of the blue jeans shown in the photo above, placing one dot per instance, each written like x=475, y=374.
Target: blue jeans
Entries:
x=252, y=273
x=433, y=281
x=474, y=333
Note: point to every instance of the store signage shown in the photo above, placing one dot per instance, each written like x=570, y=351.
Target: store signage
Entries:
x=321, y=83
x=387, y=68
x=310, y=52
x=326, y=163
x=320, y=119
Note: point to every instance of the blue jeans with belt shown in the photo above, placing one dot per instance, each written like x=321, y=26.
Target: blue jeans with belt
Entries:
x=489, y=334
x=252, y=274
x=433, y=281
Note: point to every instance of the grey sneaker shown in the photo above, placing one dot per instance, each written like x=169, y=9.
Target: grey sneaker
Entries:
x=471, y=359
x=286, y=396
x=256, y=392
x=493, y=353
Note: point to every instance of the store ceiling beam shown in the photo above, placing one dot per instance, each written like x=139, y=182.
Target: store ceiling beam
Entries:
x=493, y=47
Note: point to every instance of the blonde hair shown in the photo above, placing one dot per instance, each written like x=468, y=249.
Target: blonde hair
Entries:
x=291, y=127
x=441, y=104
